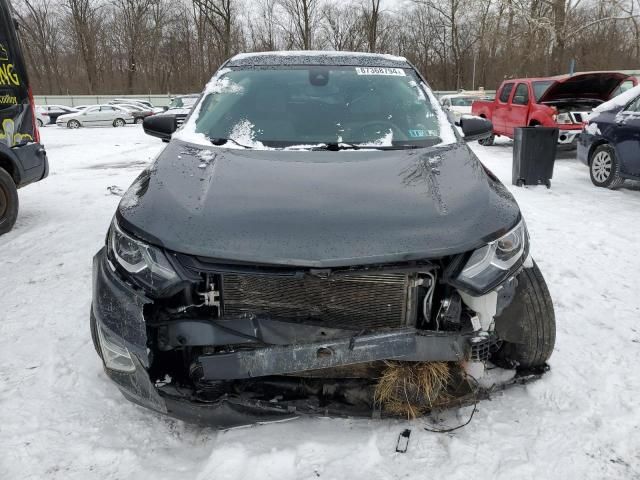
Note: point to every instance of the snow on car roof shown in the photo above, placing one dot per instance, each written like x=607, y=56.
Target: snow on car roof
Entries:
x=618, y=101
x=317, y=57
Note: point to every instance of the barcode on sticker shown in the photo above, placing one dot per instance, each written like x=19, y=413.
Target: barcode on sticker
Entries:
x=380, y=71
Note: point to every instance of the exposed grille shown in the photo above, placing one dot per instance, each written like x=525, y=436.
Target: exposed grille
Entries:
x=364, y=301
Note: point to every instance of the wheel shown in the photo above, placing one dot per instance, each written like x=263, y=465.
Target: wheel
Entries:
x=8, y=202
x=139, y=120
x=487, y=142
x=604, y=168
x=73, y=124
x=118, y=122
x=94, y=332
x=527, y=327
x=39, y=122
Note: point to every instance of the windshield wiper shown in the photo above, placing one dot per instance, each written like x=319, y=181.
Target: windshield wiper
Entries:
x=218, y=142
x=337, y=146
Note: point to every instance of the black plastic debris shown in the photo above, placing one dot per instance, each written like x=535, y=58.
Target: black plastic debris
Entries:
x=403, y=441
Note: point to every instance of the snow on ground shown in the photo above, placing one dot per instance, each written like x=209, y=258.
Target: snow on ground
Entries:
x=60, y=418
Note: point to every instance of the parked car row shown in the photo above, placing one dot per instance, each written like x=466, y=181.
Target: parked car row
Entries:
x=118, y=112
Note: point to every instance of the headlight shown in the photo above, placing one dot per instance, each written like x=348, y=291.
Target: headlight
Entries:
x=563, y=119
x=115, y=356
x=493, y=263
x=147, y=264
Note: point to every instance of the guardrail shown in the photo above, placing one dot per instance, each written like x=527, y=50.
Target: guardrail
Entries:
x=157, y=100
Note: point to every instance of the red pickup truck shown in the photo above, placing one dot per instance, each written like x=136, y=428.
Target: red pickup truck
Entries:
x=563, y=101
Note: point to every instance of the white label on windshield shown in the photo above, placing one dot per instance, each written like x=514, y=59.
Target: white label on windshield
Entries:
x=398, y=72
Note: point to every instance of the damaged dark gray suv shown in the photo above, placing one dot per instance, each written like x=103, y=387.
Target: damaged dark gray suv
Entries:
x=316, y=219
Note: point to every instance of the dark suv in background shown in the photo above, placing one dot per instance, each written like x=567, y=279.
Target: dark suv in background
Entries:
x=23, y=159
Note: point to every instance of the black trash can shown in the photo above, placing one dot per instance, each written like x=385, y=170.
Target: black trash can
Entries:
x=534, y=151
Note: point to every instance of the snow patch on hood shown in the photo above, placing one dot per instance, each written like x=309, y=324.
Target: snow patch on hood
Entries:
x=618, y=101
x=593, y=129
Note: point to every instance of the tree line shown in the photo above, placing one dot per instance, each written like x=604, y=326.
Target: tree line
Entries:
x=174, y=46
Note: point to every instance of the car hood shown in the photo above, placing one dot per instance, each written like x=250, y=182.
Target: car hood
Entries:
x=317, y=209
x=593, y=85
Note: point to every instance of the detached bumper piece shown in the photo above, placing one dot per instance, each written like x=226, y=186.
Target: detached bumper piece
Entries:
x=406, y=344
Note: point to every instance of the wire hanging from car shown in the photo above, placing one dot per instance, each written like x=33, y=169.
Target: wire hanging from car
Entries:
x=475, y=409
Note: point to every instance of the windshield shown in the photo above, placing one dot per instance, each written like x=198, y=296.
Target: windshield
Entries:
x=307, y=106
x=462, y=101
x=540, y=87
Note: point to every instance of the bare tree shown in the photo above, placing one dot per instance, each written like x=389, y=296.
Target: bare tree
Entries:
x=342, y=27
x=42, y=30
x=371, y=13
x=220, y=15
x=303, y=20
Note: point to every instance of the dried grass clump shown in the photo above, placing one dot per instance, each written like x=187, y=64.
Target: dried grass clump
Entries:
x=413, y=388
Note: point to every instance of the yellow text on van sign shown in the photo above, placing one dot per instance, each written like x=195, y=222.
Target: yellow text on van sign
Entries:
x=8, y=76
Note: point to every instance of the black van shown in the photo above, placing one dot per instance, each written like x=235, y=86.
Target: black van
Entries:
x=23, y=159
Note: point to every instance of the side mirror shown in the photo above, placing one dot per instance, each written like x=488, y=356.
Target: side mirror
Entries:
x=475, y=128
x=165, y=108
x=161, y=126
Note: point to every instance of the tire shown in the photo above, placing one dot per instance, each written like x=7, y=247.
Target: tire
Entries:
x=604, y=168
x=8, y=202
x=73, y=124
x=527, y=327
x=94, y=332
x=118, y=122
x=39, y=122
x=139, y=120
x=487, y=142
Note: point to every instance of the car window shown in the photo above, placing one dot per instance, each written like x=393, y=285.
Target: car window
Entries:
x=285, y=106
x=506, y=92
x=462, y=101
x=92, y=110
x=633, y=106
x=106, y=109
x=183, y=102
x=521, y=97
x=540, y=87
x=623, y=87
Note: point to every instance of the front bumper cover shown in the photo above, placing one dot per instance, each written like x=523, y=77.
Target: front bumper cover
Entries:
x=118, y=308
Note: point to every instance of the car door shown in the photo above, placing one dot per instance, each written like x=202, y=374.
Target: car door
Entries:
x=107, y=114
x=518, y=109
x=628, y=138
x=501, y=110
x=91, y=116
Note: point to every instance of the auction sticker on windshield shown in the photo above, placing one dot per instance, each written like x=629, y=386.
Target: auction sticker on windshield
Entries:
x=398, y=72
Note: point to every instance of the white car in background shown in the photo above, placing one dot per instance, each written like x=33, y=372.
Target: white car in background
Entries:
x=146, y=105
x=460, y=103
x=42, y=117
x=52, y=112
x=97, y=116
